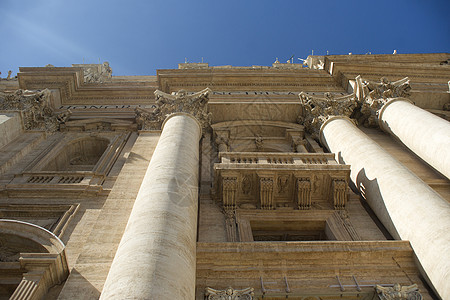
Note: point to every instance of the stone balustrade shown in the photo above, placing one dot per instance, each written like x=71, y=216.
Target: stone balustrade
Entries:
x=265, y=158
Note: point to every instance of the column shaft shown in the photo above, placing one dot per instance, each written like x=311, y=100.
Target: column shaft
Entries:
x=425, y=134
x=156, y=256
x=408, y=207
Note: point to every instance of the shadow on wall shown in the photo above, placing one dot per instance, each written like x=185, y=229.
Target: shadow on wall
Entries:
x=75, y=287
x=370, y=192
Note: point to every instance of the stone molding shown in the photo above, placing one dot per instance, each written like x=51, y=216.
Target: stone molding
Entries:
x=41, y=271
x=398, y=292
x=35, y=108
x=229, y=294
x=180, y=102
x=318, y=110
x=373, y=96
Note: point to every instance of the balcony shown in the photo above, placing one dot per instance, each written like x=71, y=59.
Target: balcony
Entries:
x=281, y=180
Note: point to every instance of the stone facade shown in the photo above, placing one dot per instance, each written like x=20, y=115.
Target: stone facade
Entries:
x=323, y=181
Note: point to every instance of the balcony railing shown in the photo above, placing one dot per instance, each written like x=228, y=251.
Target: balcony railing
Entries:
x=277, y=158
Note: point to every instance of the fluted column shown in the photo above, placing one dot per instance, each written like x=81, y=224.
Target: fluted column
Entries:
x=425, y=134
x=407, y=207
x=156, y=258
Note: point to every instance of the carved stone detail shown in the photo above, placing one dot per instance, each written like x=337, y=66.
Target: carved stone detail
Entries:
x=339, y=193
x=36, y=109
x=266, y=192
x=303, y=193
x=96, y=73
x=299, y=145
x=222, y=141
x=348, y=225
x=398, y=292
x=372, y=96
x=259, y=143
x=229, y=294
x=166, y=104
x=229, y=187
x=246, y=184
x=230, y=222
x=282, y=184
x=318, y=110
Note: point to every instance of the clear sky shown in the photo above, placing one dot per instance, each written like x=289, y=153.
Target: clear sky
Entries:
x=138, y=37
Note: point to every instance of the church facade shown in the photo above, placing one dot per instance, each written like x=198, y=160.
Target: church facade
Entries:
x=328, y=180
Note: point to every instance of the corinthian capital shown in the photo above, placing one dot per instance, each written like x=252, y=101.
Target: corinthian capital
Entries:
x=35, y=107
x=372, y=96
x=318, y=110
x=166, y=104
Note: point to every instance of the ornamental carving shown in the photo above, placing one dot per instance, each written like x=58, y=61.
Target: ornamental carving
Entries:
x=96, y=73
x=373, y=95
x=266, y=192
x=398, y=292
x=229, y=294
x=318, y=110
x=166, y=104
x=303, y=193
x=229, y=187
x=339, y=193
x=36, y=109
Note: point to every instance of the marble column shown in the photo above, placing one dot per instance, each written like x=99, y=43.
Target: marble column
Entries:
x=156, y=258
x=425, y=134
x=407, y=207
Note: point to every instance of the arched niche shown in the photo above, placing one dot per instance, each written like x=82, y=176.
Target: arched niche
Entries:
x=34, y=259
x=79, y=155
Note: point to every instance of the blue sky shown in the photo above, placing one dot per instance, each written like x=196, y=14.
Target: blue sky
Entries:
x=138, y=37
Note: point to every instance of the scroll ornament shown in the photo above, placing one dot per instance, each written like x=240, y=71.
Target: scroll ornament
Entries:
x=372, y=96
x=35, y=107
x=167, y=104
x=318, y=110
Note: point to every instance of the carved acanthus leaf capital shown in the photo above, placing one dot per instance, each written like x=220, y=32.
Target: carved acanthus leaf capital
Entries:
x=36, y=109
x=318, y=110
x=229, y=294
x=398, y=292
x=372, y=96
x=166, y=104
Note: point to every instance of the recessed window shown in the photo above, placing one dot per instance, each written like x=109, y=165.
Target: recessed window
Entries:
x=80, y=155
x=290, y=231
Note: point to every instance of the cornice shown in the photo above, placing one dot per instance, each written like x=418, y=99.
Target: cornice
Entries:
x=74, y=91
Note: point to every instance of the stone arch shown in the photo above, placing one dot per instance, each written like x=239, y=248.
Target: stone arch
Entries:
x=34, y=257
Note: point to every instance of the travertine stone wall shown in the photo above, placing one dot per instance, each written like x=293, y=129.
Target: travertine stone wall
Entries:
x=10, y=127
x=100, y=243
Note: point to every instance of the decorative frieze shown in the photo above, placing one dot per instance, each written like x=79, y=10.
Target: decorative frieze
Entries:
x=35, y=107
x=166, y=104
x=372, y=96
x=303, y=193
x=339, y=193
x=318, y=110
x=229, y=294
x=398, y=292
x=266, y=192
